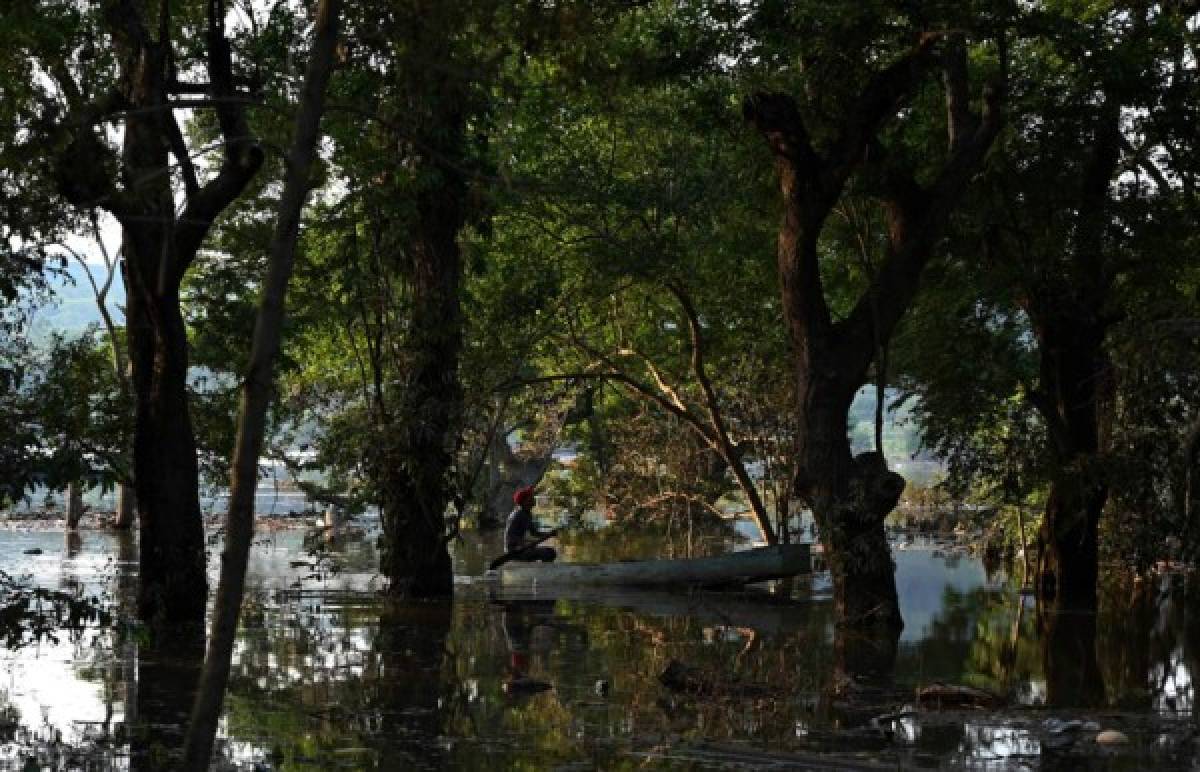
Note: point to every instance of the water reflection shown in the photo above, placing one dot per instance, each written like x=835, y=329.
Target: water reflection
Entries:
x=327, y=676
x=1069, y=660
x=167, y=671
x=412, y=686
x=521, y=619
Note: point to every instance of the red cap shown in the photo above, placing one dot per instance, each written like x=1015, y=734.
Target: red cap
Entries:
x=523, y=497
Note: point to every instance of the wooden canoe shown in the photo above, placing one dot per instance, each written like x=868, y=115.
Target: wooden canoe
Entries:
x=734, y=568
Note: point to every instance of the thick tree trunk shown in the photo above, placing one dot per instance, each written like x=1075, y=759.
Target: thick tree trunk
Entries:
x=849, y=497
x=1067, y=311
x=126, y=511
x=1069, y=564
x=174, y=587
x=1070, y=662
x=416, y=475
x=415, y=559
x=1074, y=371
x=74, y=498
x=159, y=246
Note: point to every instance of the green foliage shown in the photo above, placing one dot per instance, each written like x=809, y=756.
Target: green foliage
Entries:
x=16, y=363
x=606, y=172
x=84, y=418
x=67, y=417
x=1033, y=240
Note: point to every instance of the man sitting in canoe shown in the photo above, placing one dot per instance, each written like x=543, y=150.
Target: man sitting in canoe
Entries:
x=521, y=527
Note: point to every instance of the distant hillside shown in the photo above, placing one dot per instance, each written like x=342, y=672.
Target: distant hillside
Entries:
x=901, y=434
x=73, y=306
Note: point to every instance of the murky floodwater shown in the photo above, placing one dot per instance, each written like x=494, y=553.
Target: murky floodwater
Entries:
x=326, y=677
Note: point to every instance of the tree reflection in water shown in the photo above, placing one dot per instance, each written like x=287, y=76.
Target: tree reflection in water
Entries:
x=427, y=684
x=328, y=677
x=167, y=670
x=410, y=685
x=1069, y=661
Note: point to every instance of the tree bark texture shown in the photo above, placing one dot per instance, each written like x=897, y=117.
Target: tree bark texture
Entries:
x=125, y=509
x=416, y=473
x=257, y=389
x=174, y=587
x=1074, y=369
x=850, y=497
x=416, y=488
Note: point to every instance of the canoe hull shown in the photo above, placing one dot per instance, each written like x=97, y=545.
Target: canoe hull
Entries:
x=754, y=565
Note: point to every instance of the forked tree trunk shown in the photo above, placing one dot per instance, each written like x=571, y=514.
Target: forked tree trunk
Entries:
x=159, y=246
x=850, y=497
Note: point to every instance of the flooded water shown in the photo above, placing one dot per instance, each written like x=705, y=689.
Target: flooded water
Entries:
x=327, y=677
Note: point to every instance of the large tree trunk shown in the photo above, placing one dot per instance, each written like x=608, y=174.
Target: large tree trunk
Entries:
x=174, y=586
x=415, y=559
x=125, y=510
x=74, y=502
x=1067, y=311
x=1074, y=371
x=416, y=474
x=849, y=497
x=1068, y=569
x=159, y=247
x=1070, y=662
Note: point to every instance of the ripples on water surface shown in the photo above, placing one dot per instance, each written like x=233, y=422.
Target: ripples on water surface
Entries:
x=326, y=677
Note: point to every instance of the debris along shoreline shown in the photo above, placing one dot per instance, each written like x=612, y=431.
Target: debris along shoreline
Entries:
x=875, y=729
